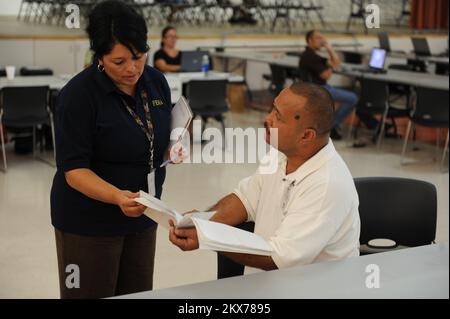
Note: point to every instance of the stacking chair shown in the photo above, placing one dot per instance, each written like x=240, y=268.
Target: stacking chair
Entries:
x=208, y=99
x=23, y=107
x=399, y=209
x=430, y=109
x=374, y=99
x=357, y=11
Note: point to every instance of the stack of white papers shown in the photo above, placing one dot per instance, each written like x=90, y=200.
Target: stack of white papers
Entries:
x=211, y=235
x=161, y=213
x=181, y=117
x=221, y=237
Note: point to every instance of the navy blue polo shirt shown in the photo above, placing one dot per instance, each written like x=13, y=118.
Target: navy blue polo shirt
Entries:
x=94, y=130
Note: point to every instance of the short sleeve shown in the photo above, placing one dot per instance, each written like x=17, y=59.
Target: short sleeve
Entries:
x=75, y=125
x=308, y=227
x=158, y=55
x=248, y=192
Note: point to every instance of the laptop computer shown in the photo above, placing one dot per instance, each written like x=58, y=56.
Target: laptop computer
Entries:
x=421, y=47
x=383, y=38
x=376, y=63
x=191, y=61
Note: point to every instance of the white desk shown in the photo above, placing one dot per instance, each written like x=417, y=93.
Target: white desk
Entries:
x=421, y=272
x=392, y=76
x=175, y=81
x=414, y=79
x=280, y=59
x=53, y=81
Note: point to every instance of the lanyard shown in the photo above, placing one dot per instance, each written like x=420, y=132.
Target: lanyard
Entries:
x=147, y=129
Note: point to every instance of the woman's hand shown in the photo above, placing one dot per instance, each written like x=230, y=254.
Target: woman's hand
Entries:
x=125, y=200
x=178, y=153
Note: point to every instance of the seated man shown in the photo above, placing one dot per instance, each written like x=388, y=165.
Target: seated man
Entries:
x=308, y=209
x=320, y=69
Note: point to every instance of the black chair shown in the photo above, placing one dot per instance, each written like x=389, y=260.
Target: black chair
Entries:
x=226, y=267
x=442, y=69
x=405, y=12
x=33, y=71
x=357, y=11
x=278, y=79
x=399, y=209
x=430, y=110
x=208, y=99
x=313, y=6
x=25, y=107
x=374, y=99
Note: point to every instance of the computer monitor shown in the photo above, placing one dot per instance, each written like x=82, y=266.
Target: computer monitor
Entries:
x=421, y=47
x=191, y=61
x=377, y=59
x=383, y=38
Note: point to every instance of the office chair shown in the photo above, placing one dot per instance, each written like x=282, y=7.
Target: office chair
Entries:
x=208, y=99
x=399, y=209
x=430, y=110
x=24, y=107
x=374, y=99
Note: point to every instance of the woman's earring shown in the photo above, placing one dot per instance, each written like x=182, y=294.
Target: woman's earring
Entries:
x=101, y=68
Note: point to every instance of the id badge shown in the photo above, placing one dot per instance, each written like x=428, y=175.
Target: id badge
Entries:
x=151, y=183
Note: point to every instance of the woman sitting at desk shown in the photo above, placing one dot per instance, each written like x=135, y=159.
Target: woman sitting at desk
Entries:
x=168, y=58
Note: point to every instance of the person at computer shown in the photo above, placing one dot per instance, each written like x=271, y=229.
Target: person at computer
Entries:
x=319, y=70
x=308, y=209
x=168, y=58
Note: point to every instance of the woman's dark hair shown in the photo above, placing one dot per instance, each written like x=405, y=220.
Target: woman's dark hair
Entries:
x=165, y=31
x=112, y=22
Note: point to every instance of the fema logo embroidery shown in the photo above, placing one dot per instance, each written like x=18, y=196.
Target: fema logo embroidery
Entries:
x=157, y=102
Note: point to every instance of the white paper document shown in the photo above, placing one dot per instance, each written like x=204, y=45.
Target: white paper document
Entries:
x=221, y=237
x=161, y=213
x=181, y=117
x=211, y=235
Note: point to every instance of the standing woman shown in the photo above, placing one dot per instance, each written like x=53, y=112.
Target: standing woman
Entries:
x=112, y=129
x=168, y=58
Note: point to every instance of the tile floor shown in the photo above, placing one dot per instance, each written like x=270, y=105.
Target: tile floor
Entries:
x=28, y=266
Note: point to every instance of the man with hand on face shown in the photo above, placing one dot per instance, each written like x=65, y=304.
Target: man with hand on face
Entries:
x=319, y=70
x=308, y=209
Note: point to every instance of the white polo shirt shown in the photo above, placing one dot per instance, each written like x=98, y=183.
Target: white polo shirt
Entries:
x=308, y=216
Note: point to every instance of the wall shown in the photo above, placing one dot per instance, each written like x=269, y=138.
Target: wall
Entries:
x=9, y=7
x=334, y=10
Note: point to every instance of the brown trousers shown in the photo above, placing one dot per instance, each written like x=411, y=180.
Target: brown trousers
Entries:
x=106, y=266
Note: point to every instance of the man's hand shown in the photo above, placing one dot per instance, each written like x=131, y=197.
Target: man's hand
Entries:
x=185, y=239
x=125, y=200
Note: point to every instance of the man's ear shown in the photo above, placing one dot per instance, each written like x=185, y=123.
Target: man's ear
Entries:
x=308, y=135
